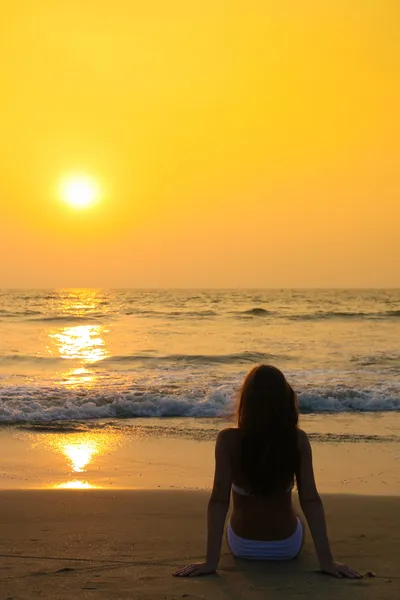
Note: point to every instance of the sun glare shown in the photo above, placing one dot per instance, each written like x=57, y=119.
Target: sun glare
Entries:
x=80, y=455
x=79, y=192
x=75, y=485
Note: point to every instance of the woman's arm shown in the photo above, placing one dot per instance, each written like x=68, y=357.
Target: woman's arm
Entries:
x=218, y=506
x=313, y=509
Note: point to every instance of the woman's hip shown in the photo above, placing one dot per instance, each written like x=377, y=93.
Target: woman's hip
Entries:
x=285, y=549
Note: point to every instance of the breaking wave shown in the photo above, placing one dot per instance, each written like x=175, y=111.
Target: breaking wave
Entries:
x=41, y=404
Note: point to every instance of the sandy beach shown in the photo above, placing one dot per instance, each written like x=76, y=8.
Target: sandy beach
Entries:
x=143, y=515
x=125, y=545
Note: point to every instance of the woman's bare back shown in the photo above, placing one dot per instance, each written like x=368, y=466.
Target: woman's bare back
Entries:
x=267, y=517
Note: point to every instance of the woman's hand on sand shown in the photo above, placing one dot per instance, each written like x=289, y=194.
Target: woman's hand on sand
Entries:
x=196, y=569
x=340, y=570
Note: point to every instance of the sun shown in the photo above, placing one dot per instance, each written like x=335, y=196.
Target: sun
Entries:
x=79, y=191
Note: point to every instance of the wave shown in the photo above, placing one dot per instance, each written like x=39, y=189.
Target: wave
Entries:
x=7, y=314
x=49, y=404
x=205, y=359
x=67, y=318
x=38, y=316
x=171, y=314
x=321, y=315
x=26, y=358
x=391, y=313
x=347, y=400
x=33, y=295
x=173, y=359
x=384, y=360
x=255, y=312
x=317, y=315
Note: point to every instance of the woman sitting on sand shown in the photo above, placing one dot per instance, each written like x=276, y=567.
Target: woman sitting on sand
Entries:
x=260, y=460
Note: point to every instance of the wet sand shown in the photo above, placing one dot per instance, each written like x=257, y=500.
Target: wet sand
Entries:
x=151, y=458
x=100, y=544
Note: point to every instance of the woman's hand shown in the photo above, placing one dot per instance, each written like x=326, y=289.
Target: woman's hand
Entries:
x=339, y=570
x=195, y=569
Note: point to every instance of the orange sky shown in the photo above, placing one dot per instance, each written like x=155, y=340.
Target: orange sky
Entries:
x=237, y=144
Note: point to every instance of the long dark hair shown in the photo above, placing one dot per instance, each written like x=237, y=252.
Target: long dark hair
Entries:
x=267, y=416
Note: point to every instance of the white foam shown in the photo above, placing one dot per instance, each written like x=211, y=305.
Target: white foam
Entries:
x=55, y=404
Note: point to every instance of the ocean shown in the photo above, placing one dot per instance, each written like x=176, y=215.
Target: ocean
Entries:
x=83, y=356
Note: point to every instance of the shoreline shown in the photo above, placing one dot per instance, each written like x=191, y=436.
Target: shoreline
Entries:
x=150, y=457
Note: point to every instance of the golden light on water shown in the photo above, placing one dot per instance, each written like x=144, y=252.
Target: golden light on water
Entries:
x=75, y=485
x=79, y=191
x=76, y=377
x=79, y=302
x=82, y=342
x=80, y=454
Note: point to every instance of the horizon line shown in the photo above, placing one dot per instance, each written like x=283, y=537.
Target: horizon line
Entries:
x=194, y=288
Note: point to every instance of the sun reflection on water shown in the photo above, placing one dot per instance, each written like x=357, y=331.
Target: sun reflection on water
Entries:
x=80, y=302
x=78, y=377
x=82, y=343
x=81, y=452
x=85, y=344
x=81, y=346
x=75, y=485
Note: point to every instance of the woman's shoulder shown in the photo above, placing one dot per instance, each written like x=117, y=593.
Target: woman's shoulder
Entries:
x=302, y=439
x=228, y=436
x=231, y=436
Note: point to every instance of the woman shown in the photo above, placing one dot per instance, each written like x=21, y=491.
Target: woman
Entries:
x=259, y=462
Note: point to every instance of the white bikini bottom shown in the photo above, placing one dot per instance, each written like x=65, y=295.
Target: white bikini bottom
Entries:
x=258, y=550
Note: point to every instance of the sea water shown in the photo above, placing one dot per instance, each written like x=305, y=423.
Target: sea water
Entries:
x=87, y=355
